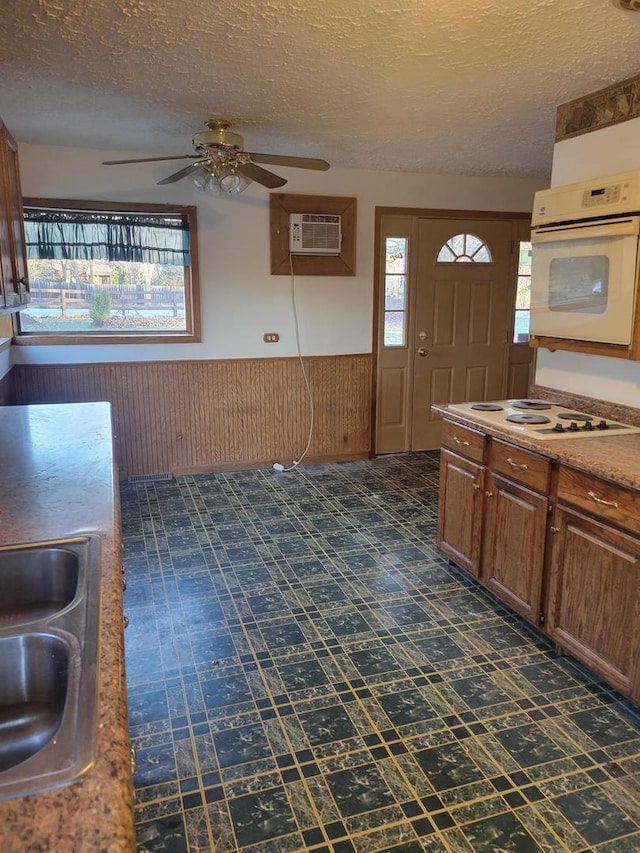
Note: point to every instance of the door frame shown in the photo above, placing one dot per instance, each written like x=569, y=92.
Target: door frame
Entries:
x=416, y=213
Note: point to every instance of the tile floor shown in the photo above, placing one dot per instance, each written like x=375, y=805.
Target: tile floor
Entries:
x=307, y=673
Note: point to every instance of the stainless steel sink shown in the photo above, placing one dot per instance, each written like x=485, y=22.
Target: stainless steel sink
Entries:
x=49, y=619
x=36, y=583
x=34, y=678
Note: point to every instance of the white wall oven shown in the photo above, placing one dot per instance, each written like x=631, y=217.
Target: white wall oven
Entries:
x=585, y=263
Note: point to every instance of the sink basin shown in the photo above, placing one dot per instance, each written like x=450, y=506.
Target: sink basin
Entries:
x=34, y=678
x=49, y=619
x=36, y=583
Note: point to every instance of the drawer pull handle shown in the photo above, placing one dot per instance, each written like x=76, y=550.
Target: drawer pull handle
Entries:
x=489, y=494
x=476, y=487
x=598, y=500
x=519, y=465
x=460, y=441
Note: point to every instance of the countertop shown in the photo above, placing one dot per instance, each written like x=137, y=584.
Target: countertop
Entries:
x=57, y=479
x=615, y=458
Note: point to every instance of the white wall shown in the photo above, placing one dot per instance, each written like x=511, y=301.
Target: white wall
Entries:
x=594, y=155
x=240, y=300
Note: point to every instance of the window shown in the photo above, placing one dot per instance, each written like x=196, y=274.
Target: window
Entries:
x=395, y=292
x=523, y=294
x=110, y=273
x=464, y=248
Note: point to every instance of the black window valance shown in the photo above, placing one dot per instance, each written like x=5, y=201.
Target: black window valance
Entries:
x=87, y=235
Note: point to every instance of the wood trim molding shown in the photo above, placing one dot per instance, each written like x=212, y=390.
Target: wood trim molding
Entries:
x=283, y=204
x=443, y=213
x=115, y=206
x=587, y=347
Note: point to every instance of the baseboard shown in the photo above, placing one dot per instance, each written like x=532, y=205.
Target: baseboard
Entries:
x=255, y=465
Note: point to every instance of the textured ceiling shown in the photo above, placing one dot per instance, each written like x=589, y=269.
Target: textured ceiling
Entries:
x=417, y=85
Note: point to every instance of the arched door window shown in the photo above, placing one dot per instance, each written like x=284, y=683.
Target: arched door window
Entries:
x=464, y=248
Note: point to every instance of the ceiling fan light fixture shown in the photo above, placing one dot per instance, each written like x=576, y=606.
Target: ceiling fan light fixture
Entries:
x=201, y=178
x=230, y=181
x=223, y=164
x=214, y=178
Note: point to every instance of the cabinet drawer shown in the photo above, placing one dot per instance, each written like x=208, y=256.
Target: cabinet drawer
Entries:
x=467, y=442
x=600, y=498
x=520, y=465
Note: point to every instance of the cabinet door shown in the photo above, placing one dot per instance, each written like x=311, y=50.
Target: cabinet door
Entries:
x=16, y=288
x=594, y=596
x=515, y=525
x=460, y=510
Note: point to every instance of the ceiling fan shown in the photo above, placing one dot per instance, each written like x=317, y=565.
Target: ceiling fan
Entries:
x=222, y=165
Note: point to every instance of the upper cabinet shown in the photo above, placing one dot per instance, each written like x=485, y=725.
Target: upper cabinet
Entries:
x=14, y=286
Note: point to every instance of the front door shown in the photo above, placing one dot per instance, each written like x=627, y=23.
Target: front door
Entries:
x=445, y=322
x=463, y=312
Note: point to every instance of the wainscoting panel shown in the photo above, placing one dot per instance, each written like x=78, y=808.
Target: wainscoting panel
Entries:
x=196, y=416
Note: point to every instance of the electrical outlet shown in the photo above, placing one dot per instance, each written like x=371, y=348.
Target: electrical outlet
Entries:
x=271, y=337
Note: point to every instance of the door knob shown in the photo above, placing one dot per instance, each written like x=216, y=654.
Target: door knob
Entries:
x=422, y=351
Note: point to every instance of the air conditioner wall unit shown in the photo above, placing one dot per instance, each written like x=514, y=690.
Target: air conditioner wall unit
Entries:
x=314, y=234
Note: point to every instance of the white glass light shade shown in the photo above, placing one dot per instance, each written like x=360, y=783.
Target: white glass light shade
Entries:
x=213, y=179
x=203, y=180
x=231, y=181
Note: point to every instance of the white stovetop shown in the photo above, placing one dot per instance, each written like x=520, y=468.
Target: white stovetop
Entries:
x=542, y=431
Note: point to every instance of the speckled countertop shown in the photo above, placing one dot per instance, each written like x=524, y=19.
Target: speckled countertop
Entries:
x=57, y=480
x=615, y=458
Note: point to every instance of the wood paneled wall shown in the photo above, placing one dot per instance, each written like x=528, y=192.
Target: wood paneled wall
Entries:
x=197, y=416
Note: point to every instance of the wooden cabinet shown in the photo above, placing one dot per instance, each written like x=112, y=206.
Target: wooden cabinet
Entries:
x=461, y=484
x=576, y=574
x=594, y=577
x=493, y=519
x=14, y=288
x=515, y=527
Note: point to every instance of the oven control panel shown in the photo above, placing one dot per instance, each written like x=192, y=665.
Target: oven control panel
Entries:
x=617, y=195
x=601, y=196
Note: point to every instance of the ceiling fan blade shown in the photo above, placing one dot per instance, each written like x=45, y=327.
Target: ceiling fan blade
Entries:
x=295, y=162
x=183, y=173
x=261, y=176
x=150, y=159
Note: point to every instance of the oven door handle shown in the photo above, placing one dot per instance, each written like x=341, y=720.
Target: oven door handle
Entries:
x=573, y=231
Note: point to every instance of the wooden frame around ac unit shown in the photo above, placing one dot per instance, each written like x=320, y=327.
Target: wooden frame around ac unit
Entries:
x=283, y=204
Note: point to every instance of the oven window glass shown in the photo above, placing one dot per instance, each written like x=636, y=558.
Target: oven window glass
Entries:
x=579, y=284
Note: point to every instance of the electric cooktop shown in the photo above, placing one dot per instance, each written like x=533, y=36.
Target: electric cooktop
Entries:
x=541, y=419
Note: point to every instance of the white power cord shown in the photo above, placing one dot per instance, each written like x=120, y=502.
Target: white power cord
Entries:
x=278, y=466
